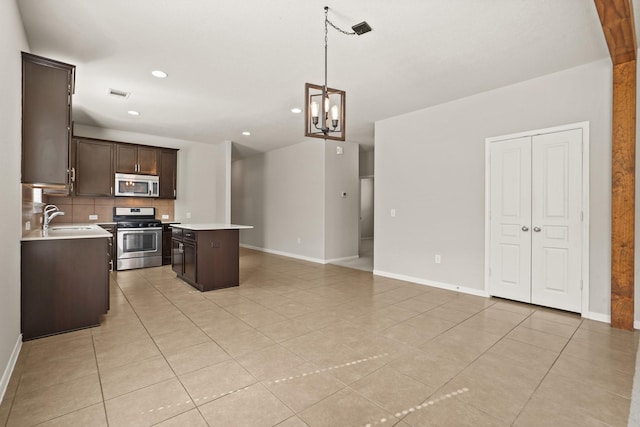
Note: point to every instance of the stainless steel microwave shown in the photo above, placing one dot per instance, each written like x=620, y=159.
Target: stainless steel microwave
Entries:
x=137, y=185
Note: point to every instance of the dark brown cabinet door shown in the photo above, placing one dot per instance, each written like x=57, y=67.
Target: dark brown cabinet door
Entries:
x=147, y=160
x=47, y=86
x=190, y=266
x=177, y=260
x=64, y=285
x=93, y=168
x=167, y=172
x=126, y=158
x=136, y=159
x=166, y=244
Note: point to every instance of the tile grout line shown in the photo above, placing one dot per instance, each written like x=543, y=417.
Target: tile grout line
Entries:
x=555, y=360
x=483, y=353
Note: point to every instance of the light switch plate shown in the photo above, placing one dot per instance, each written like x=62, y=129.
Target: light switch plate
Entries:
x=164, y=216
x=93, y=217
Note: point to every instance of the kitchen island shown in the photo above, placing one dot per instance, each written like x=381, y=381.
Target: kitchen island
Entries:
x=64, y=279
x=207, y=255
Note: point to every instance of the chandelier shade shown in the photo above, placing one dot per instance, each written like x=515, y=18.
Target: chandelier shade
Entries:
x=333, y=110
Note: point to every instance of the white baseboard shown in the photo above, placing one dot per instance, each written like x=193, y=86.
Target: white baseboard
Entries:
x=606, y=318
x=8, y=370
x=287, y=254
x=598, y=317
x=433, y=283
x=347, y=258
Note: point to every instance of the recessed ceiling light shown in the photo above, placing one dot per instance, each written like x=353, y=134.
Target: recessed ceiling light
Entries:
x=133, y=112
x=296, y=110
x=246, y=133
x=159, y=74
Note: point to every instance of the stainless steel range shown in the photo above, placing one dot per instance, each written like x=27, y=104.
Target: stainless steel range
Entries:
x=138, y=237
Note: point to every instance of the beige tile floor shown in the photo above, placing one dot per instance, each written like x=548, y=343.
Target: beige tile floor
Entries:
x=301, y=344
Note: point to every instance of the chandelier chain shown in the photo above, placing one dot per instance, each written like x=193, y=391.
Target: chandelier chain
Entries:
x=348, y=33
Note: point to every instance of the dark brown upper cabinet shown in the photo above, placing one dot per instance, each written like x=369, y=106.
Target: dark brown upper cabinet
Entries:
x=168, y=171
x=138, y=159
x=47, y=86
x=92, y=171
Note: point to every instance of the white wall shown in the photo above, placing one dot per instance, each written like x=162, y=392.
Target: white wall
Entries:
x=367, y=163
x=222, y=169
x=281, y=193
x=366, y=208
x=429, y=166
x=342, y=214
x=13, y=41
x=198, y=175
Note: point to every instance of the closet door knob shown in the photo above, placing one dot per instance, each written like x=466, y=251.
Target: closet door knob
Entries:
x=537, y=229
x=525, y=228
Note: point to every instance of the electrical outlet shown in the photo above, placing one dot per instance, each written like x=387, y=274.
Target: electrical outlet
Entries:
x=93, y=217
x=165, y=216
x=393, y=212
x=299, y=240
x=188, y=215
x=438, y=259
x=27, y=225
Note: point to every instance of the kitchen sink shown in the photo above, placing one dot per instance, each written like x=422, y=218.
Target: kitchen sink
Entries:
x=71, y=228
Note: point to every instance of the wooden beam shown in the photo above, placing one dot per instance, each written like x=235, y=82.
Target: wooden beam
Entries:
x=623, y=195
x=616, y=17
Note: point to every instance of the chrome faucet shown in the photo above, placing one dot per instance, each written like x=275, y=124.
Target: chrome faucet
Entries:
x=50, y=212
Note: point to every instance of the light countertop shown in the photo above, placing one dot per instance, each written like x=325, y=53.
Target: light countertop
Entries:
x=212, y=226
x=68, y=231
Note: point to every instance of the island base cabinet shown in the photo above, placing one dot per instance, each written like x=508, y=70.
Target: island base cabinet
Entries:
x=207, y=259
x=65, y=285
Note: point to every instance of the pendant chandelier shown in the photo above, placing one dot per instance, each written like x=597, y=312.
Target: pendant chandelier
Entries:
x=325, y=107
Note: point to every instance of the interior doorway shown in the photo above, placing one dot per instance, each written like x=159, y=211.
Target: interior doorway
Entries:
x=365, y=248
x=365, y=232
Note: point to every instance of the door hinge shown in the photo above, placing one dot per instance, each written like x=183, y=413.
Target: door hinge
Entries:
x=581, y=215
x=489, y=271
x=581, y=283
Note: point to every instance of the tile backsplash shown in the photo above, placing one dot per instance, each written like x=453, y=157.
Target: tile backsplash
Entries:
x=78, y=209
x=31, y=210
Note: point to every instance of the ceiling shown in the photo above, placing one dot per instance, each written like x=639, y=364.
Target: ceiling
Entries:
x=241, y=65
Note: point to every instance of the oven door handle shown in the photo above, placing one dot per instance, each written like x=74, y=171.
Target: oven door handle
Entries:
x=138, y=230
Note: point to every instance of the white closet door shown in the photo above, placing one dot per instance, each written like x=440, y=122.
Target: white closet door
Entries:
x=556, y=259
x=510, y=186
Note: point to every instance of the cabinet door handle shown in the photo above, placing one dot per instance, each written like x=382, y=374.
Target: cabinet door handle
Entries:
x=537, y=229
x=525, y=228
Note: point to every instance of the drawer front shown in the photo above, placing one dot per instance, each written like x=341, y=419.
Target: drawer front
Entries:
x=176, y=233
x=189, y=235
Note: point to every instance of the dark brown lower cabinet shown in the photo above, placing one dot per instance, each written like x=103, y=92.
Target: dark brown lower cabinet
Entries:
x=111, y=250
x=206, y=259
x=65, y=285
x=166, y=244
